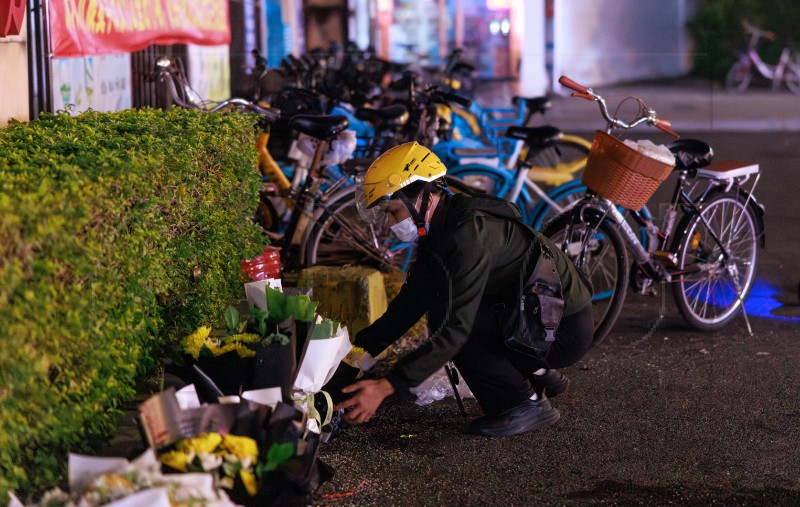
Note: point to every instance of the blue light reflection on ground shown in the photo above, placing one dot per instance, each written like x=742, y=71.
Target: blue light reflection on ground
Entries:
x=763, y=300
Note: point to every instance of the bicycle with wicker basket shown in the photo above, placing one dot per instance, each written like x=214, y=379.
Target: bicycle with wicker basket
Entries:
x=706, y=245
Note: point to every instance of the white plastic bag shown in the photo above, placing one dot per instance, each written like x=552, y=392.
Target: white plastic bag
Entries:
x=657, y=152
x=438, y=387
x=339, y=151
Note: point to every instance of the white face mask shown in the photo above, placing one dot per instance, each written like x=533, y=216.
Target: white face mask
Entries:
x=405, y=230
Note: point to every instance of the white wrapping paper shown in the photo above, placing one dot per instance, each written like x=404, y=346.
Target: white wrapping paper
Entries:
x=320, y=360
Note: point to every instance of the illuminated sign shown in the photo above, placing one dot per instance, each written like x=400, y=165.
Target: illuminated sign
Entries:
x=12, y=13
x=95, y=27
x=498, y=5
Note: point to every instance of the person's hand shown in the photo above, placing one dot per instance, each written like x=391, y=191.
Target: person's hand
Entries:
x=367, y=397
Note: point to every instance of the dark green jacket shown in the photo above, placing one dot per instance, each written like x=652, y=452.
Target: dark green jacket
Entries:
x=476, y=248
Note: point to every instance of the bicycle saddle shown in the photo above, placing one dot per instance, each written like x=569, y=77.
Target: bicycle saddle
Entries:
x=463, y=67
x=320, y=127
x=691, y=153
x=534, y=104
x=383, y=114
x=537, y=138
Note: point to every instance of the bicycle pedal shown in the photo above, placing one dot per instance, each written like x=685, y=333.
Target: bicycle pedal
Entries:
x=665, y=258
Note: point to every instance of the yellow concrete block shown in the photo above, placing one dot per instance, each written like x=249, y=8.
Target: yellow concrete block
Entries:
x=354, y=294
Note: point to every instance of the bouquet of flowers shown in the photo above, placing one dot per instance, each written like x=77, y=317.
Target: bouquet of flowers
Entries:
x=229, y=457
x=251, y=353
x=117, y=482
x=329, y=343
x=286, y=345
x=263, y=453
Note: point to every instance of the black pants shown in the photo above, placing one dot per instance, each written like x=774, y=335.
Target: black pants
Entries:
x=498, y=376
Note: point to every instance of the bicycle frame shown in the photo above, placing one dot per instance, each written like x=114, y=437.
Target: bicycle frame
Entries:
x=683, y=202
x=773, y=72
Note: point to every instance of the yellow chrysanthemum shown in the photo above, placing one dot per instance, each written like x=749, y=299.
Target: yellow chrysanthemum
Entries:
x=240, y=349
x=241, y=447
x=249, y=481
x=203, y=443
x=178, y=460
x=243, y=338
x=193, y=343
x=355, y=354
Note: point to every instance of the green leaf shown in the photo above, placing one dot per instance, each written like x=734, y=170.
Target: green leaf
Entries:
x=277, y=454
x=281, y=306
x=232, y=320
x=324, y=329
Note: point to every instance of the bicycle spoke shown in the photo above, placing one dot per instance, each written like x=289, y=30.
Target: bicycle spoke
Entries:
x=719, y=269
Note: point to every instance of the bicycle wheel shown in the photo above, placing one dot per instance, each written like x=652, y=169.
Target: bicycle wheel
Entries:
x=480, y=178
x=792, y=79
x=338, y=237
x=483, y=179
x=738, y=78
x=709, y=289
x=597, y=248
x=267, y=215
x=565, y=196
x=459, y=186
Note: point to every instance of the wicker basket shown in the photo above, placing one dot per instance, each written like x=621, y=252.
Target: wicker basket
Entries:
x=621, y=174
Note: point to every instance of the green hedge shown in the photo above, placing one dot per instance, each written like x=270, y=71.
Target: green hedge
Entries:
x=119, y=232
x=718, y=34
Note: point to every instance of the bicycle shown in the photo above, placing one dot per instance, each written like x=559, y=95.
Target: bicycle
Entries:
x=515, y=171
x=706, y=247
x=339, y=235
x=786, y=71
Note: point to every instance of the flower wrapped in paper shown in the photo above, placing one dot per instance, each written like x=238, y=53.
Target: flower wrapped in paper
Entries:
x=117, y=482
x=228, y=457
x=329, y=343
x=251, y=353
x=226, y=360
x=288, y=315
x=260, y=454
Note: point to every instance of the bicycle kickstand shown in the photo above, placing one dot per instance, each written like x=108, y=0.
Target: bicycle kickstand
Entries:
x=452, y=375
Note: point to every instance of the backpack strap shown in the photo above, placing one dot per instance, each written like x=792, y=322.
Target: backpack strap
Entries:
x=546, y=284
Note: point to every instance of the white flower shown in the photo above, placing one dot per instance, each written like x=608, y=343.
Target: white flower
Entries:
x=247, y=462
x=226, y=482
x=210, y=461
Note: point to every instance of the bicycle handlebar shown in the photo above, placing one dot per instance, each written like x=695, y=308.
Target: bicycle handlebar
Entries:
x=165, y=68
x=649, y=115
x=752, y=29
x=270, y=114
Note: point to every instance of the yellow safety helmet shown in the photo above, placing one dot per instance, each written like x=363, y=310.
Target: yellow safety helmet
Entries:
x=398, y=167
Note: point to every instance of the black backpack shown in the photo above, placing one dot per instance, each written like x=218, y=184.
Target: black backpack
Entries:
x=531, y=326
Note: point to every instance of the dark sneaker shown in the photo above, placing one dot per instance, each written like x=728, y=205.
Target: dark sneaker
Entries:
x=527, y=416
x=551, y=383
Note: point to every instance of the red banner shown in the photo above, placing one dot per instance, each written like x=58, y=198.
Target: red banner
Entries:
x=12, y=13
x=96, y=27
